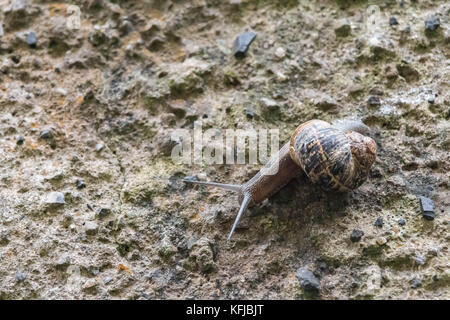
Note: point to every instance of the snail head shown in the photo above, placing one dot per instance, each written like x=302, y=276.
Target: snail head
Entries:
x=363, y=148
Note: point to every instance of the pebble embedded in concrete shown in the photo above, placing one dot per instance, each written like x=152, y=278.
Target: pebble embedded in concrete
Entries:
x=308, y=280
x=55, y=198
x=242, y=44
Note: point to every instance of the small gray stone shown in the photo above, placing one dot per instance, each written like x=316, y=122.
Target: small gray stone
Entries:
x=401, y=222
x=280, y=52
x=90, y=227
x=31, y=39
x=55, y=198
x=379, y=223
x=1, y=29
x=307, y=280
x=80, y=184
x=249, y=113
x=415, y=283
x=242, y=43
x=427, y=207
x=46, y=134
x=356, y=235
x=99, y=147
x=20, y=140
x=63, y=261
x=393, y=21
x=420, y=259
x=343, y=30
x=431, y=23
x=20, y=276
x=107, y=280
x=269, y=105
x=374, y=101
x=103, y=212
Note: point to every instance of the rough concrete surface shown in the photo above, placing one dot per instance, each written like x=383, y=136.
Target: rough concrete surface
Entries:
x=91, y=203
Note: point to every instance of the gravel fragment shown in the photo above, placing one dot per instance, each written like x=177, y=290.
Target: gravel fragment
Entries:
x=415, y=283
x=242, y=43
x=99, y=147
x=280, y=52
x=46, y=134
x=31, y=40
x=308, y=280
x=420, y=259
x=103, y=212
x=401, y=222
x=343, y=30
x=393, y=21
x=249, y=113
x=374, y=101
x=20, y=140
x=80, y=184
x=63, y=261
x=356, y=235
x=427, y=207
x=55, y=198
x=431, y=23
x=379, y=223
x=90, y=227
x=381, y=241
x=20, y=276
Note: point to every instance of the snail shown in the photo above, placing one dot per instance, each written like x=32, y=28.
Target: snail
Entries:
x=335, y=156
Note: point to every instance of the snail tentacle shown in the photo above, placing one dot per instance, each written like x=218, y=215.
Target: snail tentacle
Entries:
x=245, y=202
x=232, y=187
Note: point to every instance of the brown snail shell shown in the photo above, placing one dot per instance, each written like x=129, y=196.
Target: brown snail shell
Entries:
x=333, y=159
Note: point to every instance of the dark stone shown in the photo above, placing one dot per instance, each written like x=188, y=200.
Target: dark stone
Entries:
x=242, y=43
x=379, y=222
x=415, y=283
x=374, y=101
x=46, y=134
x=393, y=21
x=431, y=100
x=431, y=24
x=343, y=30
x=249, y=113
x=103, y=212
x=401, y=222
x=89, y=207
x=20, y=140
x=80, y=184
x=307, y=280
x=356, y=235
x=31, y=40
x=427, y=207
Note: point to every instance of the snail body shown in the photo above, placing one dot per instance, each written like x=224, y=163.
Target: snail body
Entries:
x=336, y=157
